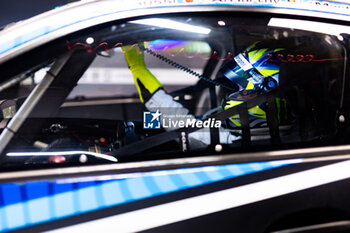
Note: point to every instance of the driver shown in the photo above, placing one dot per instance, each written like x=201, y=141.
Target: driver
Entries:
x=253, y=71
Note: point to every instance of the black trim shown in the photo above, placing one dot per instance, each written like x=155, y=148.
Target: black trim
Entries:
x=315, y=205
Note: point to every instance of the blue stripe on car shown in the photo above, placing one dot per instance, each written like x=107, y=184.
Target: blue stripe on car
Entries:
x=30, y=203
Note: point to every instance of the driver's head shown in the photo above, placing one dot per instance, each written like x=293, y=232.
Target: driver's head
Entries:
x=255, y=69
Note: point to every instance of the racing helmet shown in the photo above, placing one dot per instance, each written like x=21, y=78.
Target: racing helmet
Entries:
x=254, y=71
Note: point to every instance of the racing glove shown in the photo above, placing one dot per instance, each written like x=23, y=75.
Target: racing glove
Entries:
x=146, y=83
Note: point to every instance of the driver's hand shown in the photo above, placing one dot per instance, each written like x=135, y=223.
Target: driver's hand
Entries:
x=146, y=83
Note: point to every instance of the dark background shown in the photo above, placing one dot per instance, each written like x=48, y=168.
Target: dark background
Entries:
x=16, y=10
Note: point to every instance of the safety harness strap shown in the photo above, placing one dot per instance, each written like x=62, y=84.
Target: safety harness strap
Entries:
x=272, y=121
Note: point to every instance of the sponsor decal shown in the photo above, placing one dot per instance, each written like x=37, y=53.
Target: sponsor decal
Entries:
x=156, y=2
x=243, y=62
x=334, y=6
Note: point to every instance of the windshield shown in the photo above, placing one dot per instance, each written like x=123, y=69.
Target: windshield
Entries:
x=168, y=87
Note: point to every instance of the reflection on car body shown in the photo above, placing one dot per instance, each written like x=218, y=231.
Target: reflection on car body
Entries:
x=246, y=121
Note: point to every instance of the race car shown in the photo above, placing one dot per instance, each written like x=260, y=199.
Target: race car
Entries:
x=81, y=152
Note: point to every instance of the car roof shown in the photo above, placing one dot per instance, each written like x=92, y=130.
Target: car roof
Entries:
x=28, y=34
